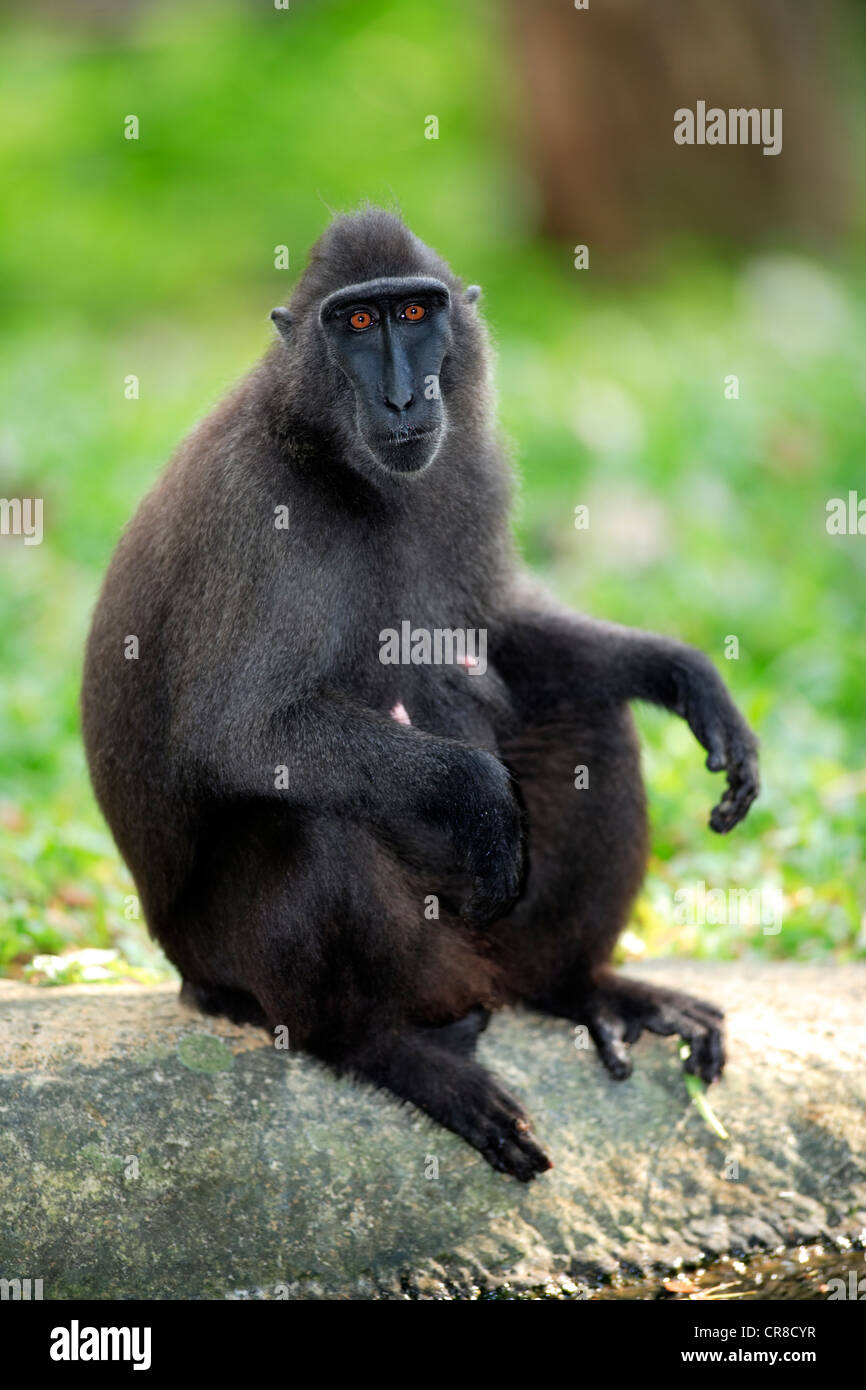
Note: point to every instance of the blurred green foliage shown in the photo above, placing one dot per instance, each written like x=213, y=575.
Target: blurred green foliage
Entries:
x=707, y=514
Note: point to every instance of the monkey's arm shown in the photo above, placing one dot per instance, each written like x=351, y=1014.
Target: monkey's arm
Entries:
x=550, y=658
x=330, y=753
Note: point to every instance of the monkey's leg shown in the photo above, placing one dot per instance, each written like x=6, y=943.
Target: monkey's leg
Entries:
x=325, y=927
x=431, y=1070
x=587, y=841
x=587, y=848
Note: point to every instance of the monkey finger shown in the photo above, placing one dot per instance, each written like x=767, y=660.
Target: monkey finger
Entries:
x=715, y=760
x=734, y=804
x=714, y=742
x=493, y=895
x=703, y=719
x=484, y=907
x=723, y=817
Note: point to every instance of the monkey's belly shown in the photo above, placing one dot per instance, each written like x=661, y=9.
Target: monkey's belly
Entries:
x=450, y=704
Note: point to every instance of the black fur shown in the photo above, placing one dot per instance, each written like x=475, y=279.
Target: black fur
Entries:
x=301, y=901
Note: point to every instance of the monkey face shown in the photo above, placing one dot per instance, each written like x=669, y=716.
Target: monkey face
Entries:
x=389, y=337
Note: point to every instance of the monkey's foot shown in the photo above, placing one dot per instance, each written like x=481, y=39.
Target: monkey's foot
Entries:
x=619, y=1010
x=435, y=1073
x=499, y=1128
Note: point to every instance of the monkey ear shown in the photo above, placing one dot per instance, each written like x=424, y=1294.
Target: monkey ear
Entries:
x=472, y=293
x=282, y=320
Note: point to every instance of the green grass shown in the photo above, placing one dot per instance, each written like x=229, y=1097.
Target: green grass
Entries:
x=706, y=514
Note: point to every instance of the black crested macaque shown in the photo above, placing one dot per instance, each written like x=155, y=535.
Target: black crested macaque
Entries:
x=296, y=802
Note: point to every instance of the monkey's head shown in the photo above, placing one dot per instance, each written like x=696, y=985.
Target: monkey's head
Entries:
x=390, y=337
x=382, y=338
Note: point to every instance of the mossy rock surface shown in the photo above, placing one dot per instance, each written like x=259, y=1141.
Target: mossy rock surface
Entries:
x=147, y=1152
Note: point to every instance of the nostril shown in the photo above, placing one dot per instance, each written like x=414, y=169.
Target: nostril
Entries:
x=396, y=405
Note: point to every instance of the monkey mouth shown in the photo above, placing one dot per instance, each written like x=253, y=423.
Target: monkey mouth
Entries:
x=408, y=449
x=408, y=434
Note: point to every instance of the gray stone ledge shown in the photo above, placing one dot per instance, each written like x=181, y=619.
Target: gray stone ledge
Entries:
x=147, y=1152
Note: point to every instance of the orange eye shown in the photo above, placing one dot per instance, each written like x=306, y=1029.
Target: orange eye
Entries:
x=361, y=319
x=414, y=312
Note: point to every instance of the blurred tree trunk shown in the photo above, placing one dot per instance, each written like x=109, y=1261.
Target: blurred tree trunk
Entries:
x=601, y=86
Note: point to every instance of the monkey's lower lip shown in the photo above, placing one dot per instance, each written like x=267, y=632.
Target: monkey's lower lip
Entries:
x=407, y=436
x=407, y=451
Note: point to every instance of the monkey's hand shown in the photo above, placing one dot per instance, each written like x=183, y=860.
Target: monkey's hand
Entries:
x=731, y=746
x=486, y=826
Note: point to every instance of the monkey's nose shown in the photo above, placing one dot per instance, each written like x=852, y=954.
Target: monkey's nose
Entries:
x=399, y=404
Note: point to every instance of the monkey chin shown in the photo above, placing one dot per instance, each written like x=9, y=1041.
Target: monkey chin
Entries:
x=407, y=453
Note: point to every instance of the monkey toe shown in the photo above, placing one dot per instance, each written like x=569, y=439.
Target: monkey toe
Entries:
x=612, y=1034
x=706, y=1057
x=503, y=1135
x=521, y=1157
x=700, y=1026
x=616, y=1060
